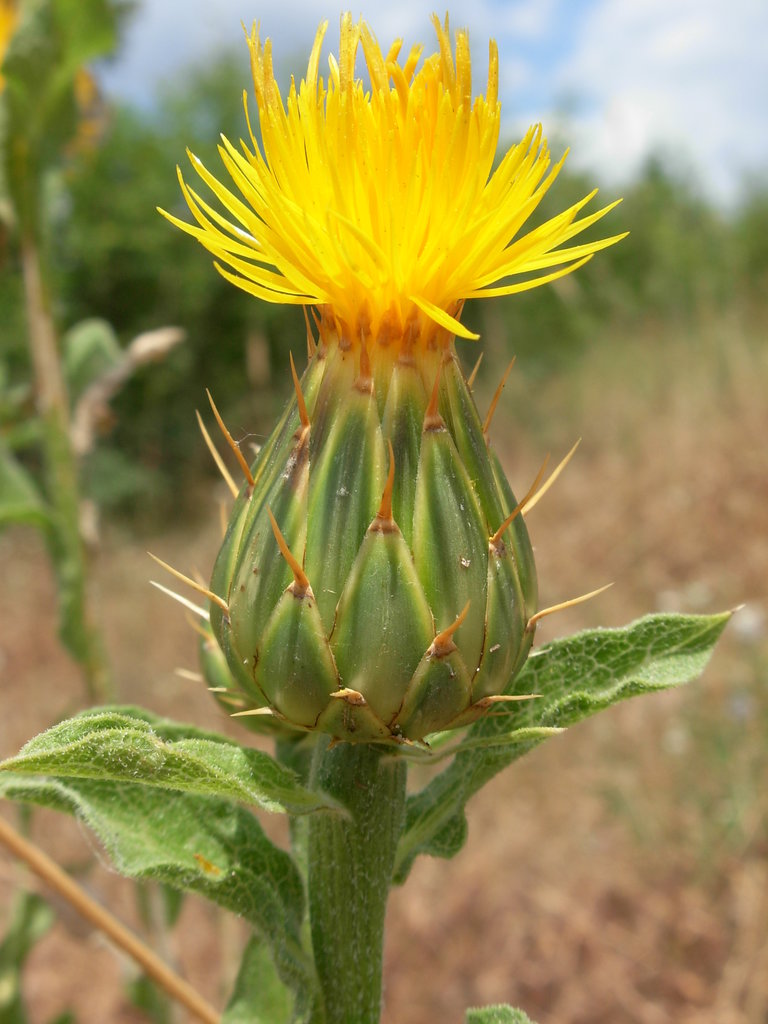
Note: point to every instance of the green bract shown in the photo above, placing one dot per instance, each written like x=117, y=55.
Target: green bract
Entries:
x=367, y=588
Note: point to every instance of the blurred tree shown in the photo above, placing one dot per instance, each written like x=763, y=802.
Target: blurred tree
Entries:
x=679, y=259
x=682, y=260
x=751, y=231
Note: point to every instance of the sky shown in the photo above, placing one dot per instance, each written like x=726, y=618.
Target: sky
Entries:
x=618, y=80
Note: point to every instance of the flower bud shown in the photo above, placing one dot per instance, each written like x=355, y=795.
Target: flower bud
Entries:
x=371, y=593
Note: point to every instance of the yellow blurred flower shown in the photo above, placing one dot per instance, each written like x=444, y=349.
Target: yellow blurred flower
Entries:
x=8, y=18
x=380, y=203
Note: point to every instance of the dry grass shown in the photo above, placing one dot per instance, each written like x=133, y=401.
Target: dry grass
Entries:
x=620, y=873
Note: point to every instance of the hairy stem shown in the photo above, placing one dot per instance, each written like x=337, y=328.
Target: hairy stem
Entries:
x=64, y=886
x=350, y=870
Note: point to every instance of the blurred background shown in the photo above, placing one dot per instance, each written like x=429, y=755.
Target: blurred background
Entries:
x=620, y=873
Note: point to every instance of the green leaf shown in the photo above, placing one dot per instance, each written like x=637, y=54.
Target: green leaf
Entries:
x=160, y=796
x=497, y=1015
x=90, y=349
x=260, y=997
x=31, y=919
x=20, y=500
x=199, y=844
x=130, y=745
x=575, y=677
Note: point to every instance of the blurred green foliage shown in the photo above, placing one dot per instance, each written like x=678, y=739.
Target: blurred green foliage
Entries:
x=31, y=919
x=117, y=259
x=684, y=259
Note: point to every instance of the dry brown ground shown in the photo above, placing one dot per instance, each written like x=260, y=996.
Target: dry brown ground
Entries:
x=620, y=873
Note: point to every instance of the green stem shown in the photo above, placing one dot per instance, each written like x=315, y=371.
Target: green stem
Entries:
x=76, y=630
x=350, y=871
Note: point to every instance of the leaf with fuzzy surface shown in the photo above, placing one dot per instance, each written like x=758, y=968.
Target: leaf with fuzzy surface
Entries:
x=197, y=844
x=131, y=745
x=575, y=677
x=163, y=799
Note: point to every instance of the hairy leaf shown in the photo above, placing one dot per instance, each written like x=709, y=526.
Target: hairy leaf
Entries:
x=575, y=677
x=130, y=745
x=200, y=844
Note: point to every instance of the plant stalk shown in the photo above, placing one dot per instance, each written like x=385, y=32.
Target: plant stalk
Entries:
x=77, y=631
x=350, y=871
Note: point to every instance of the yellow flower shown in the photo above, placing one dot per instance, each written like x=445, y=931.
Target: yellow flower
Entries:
x=380, y=204
x=8, y=18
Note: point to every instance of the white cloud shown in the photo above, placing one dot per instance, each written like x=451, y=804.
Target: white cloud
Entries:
x=523, y=20
x=685, y=77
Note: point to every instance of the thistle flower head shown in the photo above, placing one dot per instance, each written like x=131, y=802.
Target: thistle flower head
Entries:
x=379, y=203
x=376, y=580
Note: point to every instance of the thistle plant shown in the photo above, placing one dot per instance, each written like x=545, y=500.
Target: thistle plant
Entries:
x=374, y=601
